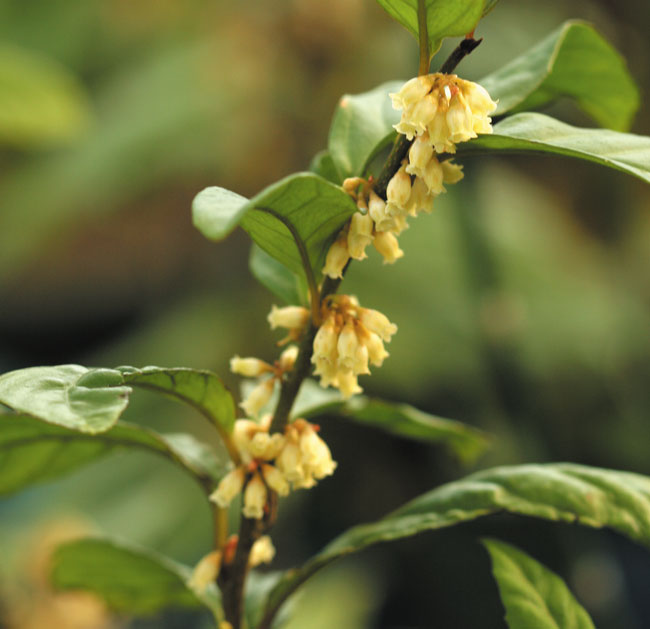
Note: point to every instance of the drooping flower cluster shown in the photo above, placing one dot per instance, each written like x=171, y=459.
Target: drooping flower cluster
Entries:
x=445, y=108
x=349, y=338
x=278, y=462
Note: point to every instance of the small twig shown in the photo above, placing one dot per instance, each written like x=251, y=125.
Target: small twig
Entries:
x=392, y=164
x=458, y=54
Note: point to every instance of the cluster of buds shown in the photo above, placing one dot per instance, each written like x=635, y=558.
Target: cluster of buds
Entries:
x=277, y=462
x=445, y=108
x=349, y=338
x=208, y=568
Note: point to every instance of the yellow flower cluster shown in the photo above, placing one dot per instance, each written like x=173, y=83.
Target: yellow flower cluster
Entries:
x=277, y=462
x=349, y=338
x=445, y=108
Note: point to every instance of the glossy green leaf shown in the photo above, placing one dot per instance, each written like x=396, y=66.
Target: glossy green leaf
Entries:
x=41, y=102
x=445, y=18
x=533, y=595
x=282, y=282
x=402, y=420
x=574, y=61
x=537, y=133
x=130, y=580
x=323, y=165
x=87, y=400
x=33, y=451
x=293, y=220
x=199, y=388
x=561, y=492
x=361, y=127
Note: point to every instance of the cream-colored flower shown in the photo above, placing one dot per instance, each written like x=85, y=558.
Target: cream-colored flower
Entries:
x=258, y=398
x=359, y=235
x=274, y=478
x=229, y=487
x=337, y=257
x=398, y=190
x=290, y=317
x=449, y=109
x=388, y=247
x=378, y=323
x=379, y=214
x=255, y=496
x=262, y=551
x=205, y=572
x=288, y=358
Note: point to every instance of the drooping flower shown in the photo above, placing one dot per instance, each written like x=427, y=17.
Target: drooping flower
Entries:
x=262, y=551
x=205, y=572
x=446, y=108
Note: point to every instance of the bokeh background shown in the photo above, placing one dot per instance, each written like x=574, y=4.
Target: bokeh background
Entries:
x=523, y=302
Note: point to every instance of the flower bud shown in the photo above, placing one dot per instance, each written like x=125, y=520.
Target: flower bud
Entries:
x=337, y=257
x=288, y=358
x=229, y=486
x=388, y=247
x=261, y=552
x=248, y=367
x=205, y=572
x=255, y=496
x=258, y=398
x=290, y=317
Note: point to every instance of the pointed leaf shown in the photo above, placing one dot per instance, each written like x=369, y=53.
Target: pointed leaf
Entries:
x=362, y=126
x=34, y=451
x=574, y=61
x=293, y=220
x=560, y=492
x=406, y=421
x=536, y=133
x=445, y=18
x=201, y=389
x=533, y=595
x=88, y=400
x=323, y=165
x=282, y=282
x=129, y=579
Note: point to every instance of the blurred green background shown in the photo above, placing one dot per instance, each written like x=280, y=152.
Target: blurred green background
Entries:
x=523, y=302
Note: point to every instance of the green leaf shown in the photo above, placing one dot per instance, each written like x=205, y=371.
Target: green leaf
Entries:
x=445, y=18
x=199, y=388
x=405, y=421
x=536, y=133
x=574, y=61
x=323, y=165
x=72, y=396
x=41, y=102
x=131, y=580
x=533, y=595
x=34, y=451
x=282, y=282
x=293, y=220
x=560, y=492
x=362, y=126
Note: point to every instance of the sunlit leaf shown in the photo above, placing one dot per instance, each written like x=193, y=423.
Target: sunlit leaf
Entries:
x=533, y=595
x=41, y=102
x=574, y=61
x=282, y=282
x=537, y=133
x=560, y=492
x=33, y=451
x=87, y=400
x=445, y=18
x=130, y=580
x=293, y=220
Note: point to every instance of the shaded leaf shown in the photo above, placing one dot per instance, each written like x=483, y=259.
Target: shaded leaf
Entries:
x=536, y=133
x=403, y=420
x=533, y=595
x=130, y=580
x=561, y=492
x=276, y=277
x=41, y=102
x=361, y=127
x=574, y=61
x=445, y=18
x=323, y=165
x=33, y=451
x=294, y=220
x=201, y=389
x=87, y=400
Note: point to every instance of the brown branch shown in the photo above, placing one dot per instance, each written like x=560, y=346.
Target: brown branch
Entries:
x=458, y=54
